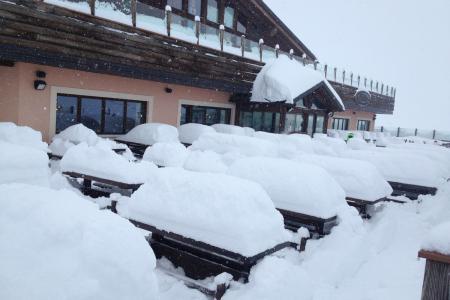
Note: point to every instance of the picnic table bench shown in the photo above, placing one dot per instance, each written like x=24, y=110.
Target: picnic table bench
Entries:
x=137, y=148
x=294, y=221
x=200, y=260
x=363, y=205
x=98, y=187
x=411, y=191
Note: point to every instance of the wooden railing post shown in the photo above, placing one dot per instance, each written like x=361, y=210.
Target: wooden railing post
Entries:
x=325, y=69
x=168, y=18
x=277, y=50
x=398, y=132
x=92, y=6
x=365, y=82
x=243, y=45
x=316, y=62
x=351, y=79
x=335, y=74
x=434, y=134
x=343, y=77
x=197, y=29
x=359, y=80
x=291, y=54
x=371, y=85
x=221, y=36
x=261, y=44
x=387, y=90
x=376, y=86
x=382, y=88
x=415, y=132
x=133, y=12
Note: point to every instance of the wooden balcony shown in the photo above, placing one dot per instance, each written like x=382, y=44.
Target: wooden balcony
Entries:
x=41, y=33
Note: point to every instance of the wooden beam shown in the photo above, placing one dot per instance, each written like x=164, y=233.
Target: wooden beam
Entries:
x=6, y=63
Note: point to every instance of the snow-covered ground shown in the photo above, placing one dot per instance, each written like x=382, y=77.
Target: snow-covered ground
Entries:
x=49, y=232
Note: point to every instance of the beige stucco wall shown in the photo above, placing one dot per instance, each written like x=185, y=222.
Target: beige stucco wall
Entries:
x=22, y=104
x=9, y=94
x=353, y=116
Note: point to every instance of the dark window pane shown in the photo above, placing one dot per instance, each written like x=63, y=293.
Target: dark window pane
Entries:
x=224, y=116
x=363, y=125
x=114, y=113
x=183, y=117
x=320, y=120
x=91, y=113
x=136, y=113
x=177, y=4
x=257, y=120
x=229, y=16
x=198, y=115
x=267, y=122
x=212, y=116
x=246, y=119
x=213, y=11
x=241, y=24
x=195, y=7
x=310, y=124
x=66, y=112
x=277, y=123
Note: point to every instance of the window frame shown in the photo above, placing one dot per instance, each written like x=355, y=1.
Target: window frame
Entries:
x=103, y=99
x=367, y=125
x=346, y=122
x=189, y=110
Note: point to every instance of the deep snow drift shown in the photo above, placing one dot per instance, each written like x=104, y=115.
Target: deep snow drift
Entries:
x=208, y=208
x=56, y=245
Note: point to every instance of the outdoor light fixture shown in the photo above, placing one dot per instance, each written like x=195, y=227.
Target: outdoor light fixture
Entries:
x=40, y=85
x=168, y=90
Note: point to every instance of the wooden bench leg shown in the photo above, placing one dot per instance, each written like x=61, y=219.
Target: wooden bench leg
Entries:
x=87, y=186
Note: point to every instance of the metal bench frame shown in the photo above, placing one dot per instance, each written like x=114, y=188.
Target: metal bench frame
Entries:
x=411, y=191
x=293, y=221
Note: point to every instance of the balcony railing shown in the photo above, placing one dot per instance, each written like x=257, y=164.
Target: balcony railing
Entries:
x=143, y=16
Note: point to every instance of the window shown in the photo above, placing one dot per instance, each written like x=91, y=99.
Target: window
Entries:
x=294, y=123
x=195, y=7
x=103, y=115
x=310, y=128
x=213, y=11
x=320, y=124
x=242, y=24
x=204, y=115
x=363, y=125
x=260, y=121
x=177, y=4
x=229, y=17
x=340, y=124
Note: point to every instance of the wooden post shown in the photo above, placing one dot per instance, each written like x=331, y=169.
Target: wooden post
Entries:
x=343, y=77
x=371, y=85
x=168, y=18
x=277, y=50
x=243, y=45
x=221, y=36
x=382, y=88
x=398, y=132
x=415, y=132
x=335, y=74
x=316, y=62
x=351, y=79
x=291, y=54
x=365, y=82
x=387, y=90
x=92, y=6
x=359, y=80
x=436, y=280
x=197, y=29
x=261, y=44
x=434, y=134
x=325, y=69
x=376, y=87
x=133, y=12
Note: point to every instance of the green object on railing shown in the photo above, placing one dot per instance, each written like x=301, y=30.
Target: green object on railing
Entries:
x=350, y=136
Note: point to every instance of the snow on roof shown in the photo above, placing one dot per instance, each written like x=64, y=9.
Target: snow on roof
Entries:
x=217, y=209
x=101, y=161
x=21, y=135
x=61, y=246
x=151, y=133
x=293, y=186
x=284, y=79
x=438, y=239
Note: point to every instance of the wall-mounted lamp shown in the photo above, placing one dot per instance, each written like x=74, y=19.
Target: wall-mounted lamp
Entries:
x=40, y=84
x=168, y=90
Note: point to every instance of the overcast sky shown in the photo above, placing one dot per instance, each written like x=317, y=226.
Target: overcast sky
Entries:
x=404, y=43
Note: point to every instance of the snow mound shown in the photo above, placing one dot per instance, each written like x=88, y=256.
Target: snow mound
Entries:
x=225, y=143
x=230, y=129
x=60, y=246
x=21, y=135
x=151, y=133
x=358, y=144
x=205, y=161
x=23, y=164
x=337, y=144
x=100, y=161
x=284, y=79
x=191, y=132
x=78, y=134
x=438, y=239
x=167, y=154
x=359, y=179
x=293, y=186
x=402, y=166
x=220, y=210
